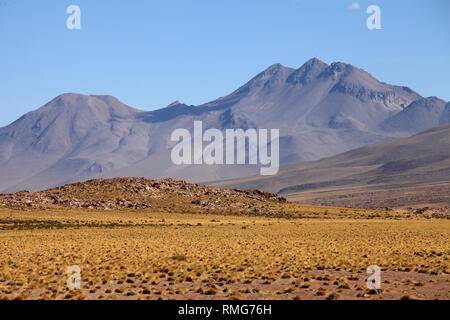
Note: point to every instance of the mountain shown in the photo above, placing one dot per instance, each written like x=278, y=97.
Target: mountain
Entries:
x=56, y=143
x=318, y=96
x=408, y=171
x=420, y=115
x=320, y=109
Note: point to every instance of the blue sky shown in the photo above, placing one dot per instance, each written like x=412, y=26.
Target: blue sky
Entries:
x=149, y=53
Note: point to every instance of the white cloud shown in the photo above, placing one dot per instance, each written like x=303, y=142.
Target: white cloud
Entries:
x=354, y=6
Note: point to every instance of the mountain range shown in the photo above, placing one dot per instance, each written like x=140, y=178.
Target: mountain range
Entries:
x=413, y=171
x=321, y=110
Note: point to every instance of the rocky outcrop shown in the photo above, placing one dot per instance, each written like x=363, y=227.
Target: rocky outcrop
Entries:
x=140, y=193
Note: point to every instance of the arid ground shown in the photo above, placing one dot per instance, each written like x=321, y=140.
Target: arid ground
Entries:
x=250, y=246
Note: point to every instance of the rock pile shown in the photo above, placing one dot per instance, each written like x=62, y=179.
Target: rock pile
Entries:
x=140, y=193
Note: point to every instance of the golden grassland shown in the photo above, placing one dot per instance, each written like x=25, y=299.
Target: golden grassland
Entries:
x=322, y=253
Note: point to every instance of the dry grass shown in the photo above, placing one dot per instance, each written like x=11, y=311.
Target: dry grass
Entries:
x=141, y=254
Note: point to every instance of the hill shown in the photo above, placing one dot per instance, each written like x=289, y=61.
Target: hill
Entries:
x=139, y=193
x=406, y=172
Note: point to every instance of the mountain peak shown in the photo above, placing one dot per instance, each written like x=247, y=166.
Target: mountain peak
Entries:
x=69, y=110
x=434, y=99
x=276, y=73
x=66, y=102
x=175, y=103
x=74, y=101
x=308, y=71
x=68, y=96
x=275, y=66
x=420, y=115
x=70, y=99
x=274, y=69
x=314, y=62
x=340, y=66
x=353, y=80
x=428, y=103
